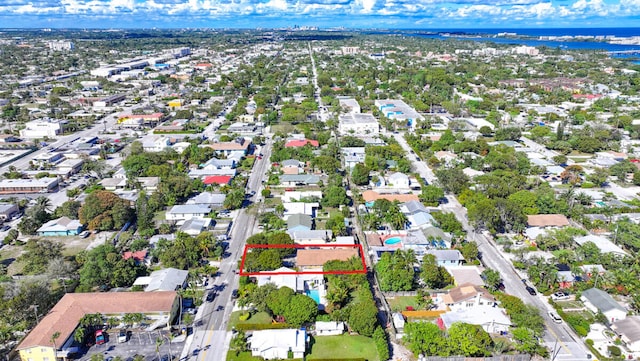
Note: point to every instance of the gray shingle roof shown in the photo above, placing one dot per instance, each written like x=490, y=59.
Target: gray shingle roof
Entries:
x=602, y=300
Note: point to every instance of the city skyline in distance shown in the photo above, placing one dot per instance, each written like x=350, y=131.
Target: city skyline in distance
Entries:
x=391, y=14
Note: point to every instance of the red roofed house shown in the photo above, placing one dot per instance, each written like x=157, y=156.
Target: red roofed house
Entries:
x=138, y=256
x=217, y=179
x=301, y=143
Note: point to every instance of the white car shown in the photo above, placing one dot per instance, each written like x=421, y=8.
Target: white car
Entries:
x=559, y=296
x=554, y=316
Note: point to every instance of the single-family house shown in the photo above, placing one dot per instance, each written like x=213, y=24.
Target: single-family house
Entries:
x=292, y=166
x=467, y=296
x=603, y=244
x=167, y=279
x=63, y=226
x=445, y=157
x=629, y=332
x=183, y=212
x=314, y=259
x=329, y=328
x=296, y=196
x=293, y=180
x=466, y=275
x=371, y=196
x=217, y=179
x=398, y=180
x=491, y=319
x=139, y=257
x=447, y=257
x=564, y=276
x=277, y=344
x=298, y=143
x=592, y=270
x=195, y=226
x=597, y=300
x=299, y=222
x=238, y=145
x=111, y=184
x=316, y=236
x=417, y=214
x=352, y=156
x=215, y=163
x=148, y=184
x=300, y=208
x=209, y=199
x=7, y=211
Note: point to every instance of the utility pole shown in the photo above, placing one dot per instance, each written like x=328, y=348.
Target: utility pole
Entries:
x=35, y=312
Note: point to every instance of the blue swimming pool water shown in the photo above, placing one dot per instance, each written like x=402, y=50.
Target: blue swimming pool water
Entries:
x=392, y=240
x=314, y=294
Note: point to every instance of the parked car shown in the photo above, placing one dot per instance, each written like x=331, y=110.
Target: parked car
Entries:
x=5, y=228
x=554, y=316
x=100, y=337
x=122, y=336
x=84, y=234
x=211, y=296
x=531, y=291
x=234, y=294
x=559, y=296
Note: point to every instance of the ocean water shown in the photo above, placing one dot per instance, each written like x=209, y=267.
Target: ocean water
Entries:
x=486, y=35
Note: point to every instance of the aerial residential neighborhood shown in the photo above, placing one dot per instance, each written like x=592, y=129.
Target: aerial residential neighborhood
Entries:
x=316, y=195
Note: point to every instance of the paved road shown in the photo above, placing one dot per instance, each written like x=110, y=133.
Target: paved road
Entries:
x=23, y=163
x=322, y=113
x=558, y=337
x=211, y=342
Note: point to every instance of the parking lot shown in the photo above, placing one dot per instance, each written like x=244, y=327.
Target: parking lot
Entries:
x=138, y=343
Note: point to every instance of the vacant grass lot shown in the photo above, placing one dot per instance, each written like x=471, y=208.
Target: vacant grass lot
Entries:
x=255, y=319
x=400, y=303
x=342, y=347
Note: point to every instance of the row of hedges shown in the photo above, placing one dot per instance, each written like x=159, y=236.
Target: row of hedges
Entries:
x=261, y=326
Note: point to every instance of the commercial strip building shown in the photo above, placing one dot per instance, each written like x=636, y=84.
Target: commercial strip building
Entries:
x=12, y=186
x=160, y=307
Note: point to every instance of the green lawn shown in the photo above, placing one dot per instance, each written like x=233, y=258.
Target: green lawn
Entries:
x=257, y=318
x=400, y=303
x=344, y=346
x=246, y=356
x=242, y=356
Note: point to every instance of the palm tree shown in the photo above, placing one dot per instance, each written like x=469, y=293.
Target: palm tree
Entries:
x=53, y=339
x=43, y=204
x=159, y=343
x=80, y=334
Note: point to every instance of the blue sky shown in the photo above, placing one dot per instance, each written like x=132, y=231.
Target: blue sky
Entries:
x=424, y=14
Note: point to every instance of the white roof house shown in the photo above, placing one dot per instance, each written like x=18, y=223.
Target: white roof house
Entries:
x=331, y=328
x=168, y=279
x=604, y=244
x=187, y=211
x=300, y=208
x=398, y=180
x=629, y=332
x=276, y=344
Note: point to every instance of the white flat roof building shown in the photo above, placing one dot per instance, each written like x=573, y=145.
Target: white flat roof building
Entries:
x=398, y=110
x=41, y=128
x=358, y=124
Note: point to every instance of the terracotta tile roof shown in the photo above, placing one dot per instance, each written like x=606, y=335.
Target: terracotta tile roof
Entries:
x=374, y=239
x=547, y=220
x=301, y=143
x=318, y=257
x=465, y=292
x=371, y=196
x=66, y=314
x=229, y=146
x=137, y=255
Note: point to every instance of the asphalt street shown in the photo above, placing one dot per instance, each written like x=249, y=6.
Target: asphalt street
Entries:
x=561, y=340
x=211, y=341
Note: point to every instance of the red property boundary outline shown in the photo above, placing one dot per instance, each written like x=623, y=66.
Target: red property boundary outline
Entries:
x=247, y=247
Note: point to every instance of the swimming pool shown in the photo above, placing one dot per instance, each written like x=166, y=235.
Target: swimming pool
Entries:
x=391, y=241
x=314, y=294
